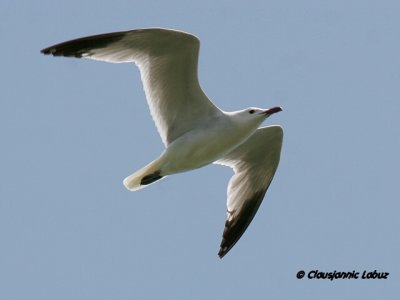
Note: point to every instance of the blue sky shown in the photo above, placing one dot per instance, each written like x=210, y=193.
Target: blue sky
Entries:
x=71, y=130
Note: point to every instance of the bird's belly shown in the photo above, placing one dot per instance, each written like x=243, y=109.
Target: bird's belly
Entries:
x=197, y=149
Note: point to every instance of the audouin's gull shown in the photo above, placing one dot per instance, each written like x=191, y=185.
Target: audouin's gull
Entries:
x=194, y=131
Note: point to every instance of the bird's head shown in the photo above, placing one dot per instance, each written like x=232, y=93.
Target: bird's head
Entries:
x=252, y=117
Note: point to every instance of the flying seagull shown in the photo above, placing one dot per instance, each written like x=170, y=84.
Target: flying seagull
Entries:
x=194, y=131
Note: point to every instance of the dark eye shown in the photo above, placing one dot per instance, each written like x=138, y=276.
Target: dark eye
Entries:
x=251, y=111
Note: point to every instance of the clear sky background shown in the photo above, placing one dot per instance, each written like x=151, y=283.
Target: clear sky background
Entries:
x=71, y=130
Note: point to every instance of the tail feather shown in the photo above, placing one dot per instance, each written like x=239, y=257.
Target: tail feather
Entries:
x=144, y=176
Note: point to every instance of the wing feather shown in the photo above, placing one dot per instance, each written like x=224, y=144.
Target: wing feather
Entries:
x=254, y=163
x=167, y=60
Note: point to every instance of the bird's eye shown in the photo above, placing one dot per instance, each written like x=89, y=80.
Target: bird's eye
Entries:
x=251, y=111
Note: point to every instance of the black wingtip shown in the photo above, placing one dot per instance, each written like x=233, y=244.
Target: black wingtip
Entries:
x=50, y=51
x=83, y=46
x=45, y=51
x=59, y=52
x=222, y=253
x=237, y=223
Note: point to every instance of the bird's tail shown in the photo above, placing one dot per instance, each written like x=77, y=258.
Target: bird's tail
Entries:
x=144, y=176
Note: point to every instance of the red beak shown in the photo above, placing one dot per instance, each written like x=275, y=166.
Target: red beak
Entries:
x=271, y=111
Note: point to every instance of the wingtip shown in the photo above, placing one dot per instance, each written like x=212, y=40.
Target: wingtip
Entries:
x=48, y=51
x=224, y=248
x=222, y=253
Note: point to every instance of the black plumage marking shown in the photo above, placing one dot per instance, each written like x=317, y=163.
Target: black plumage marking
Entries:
x=83, y=46
x=235, y=227
x=151, y=178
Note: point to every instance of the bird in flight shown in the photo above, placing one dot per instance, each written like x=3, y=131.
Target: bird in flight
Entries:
x=194, y=130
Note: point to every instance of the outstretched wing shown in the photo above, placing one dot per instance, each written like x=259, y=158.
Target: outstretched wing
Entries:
x=167, y=60
x=254, y=163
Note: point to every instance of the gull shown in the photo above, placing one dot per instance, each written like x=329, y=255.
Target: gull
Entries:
x=194, y=131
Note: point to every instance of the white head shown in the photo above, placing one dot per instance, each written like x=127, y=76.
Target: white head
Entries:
x=252, y=117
